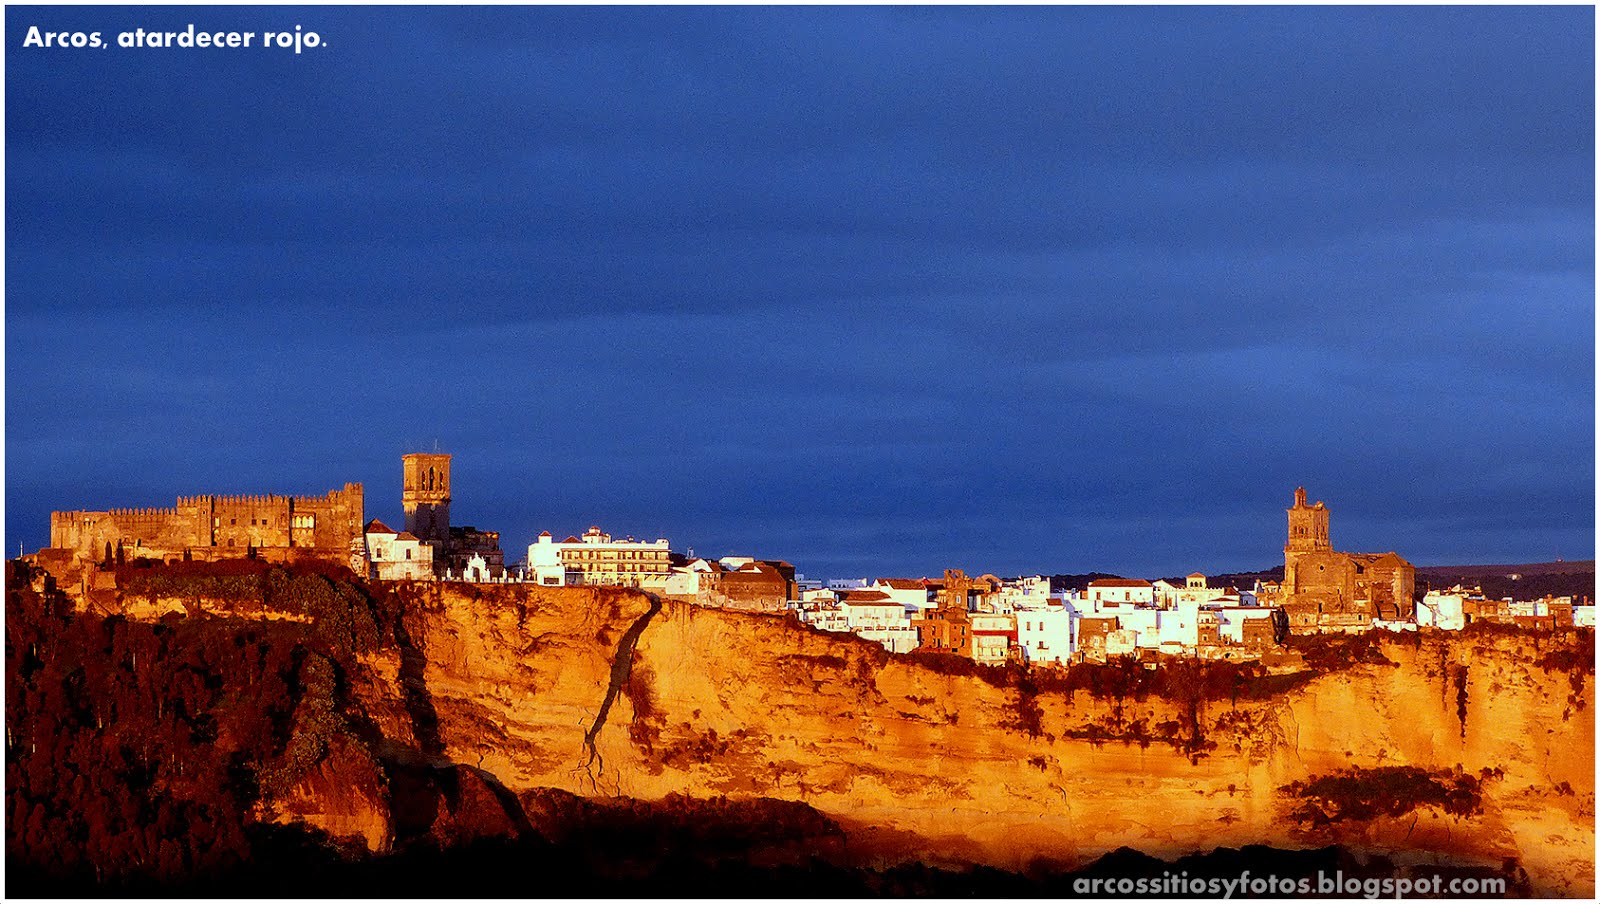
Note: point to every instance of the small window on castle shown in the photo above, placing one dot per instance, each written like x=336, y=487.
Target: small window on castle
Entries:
x=230, y=541
x=408, y=553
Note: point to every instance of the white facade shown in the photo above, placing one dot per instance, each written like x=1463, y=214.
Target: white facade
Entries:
x=826, y=618
x=874, y=614
x=1583, y=616
x=991, y=636
x=595, y=558
x=397, y=555
x=881, y=621
x=1194, y=589
x=1178, y=627
x=1048, y=635
x=476, y=570
x=692, y=579
x=1231, y=619
x=1530, y=608
x=1442, y=610
x=1019, y=593
x=1120, y=591
x=907, y=592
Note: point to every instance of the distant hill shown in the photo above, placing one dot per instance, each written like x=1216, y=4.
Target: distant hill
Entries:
x=1077, y=582
x=1579, y=566
x=1528, y=581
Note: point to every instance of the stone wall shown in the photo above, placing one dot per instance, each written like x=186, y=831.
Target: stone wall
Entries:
x=208, y=527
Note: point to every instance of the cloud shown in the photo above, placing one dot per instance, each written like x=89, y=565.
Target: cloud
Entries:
x=1051, y=289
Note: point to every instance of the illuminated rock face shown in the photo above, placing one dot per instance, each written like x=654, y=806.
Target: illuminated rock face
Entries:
x=946, y=768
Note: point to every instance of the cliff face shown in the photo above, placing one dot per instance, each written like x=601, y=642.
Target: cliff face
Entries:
x=951, y=769
x=390, y=714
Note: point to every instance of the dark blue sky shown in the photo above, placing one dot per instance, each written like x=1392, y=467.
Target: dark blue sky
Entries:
x=877, y=291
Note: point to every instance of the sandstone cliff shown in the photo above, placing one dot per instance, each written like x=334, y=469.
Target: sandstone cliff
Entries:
x=947, y=769
x=464, y=712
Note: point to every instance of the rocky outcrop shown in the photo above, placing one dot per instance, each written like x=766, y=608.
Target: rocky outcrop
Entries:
x=452, y=715
x=952, y=769
x=344, y=795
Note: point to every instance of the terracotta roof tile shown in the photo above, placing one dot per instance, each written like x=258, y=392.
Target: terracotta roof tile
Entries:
x=1118, y=582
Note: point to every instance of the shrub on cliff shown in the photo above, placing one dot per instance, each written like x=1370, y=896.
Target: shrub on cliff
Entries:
x=1336, y=652
x=137, y=750
x=1383, y=791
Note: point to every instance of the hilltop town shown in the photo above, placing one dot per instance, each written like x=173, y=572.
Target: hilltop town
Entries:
x=986, y=619
x=267, y=679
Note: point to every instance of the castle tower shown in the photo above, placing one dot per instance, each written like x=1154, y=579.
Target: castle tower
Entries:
x=426, y=495
x=1308, y=525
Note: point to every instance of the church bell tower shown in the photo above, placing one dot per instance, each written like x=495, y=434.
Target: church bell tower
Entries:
x=1308, y=525
x=426, y=496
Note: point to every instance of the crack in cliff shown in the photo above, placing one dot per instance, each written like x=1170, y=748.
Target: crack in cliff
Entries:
x=621, y=668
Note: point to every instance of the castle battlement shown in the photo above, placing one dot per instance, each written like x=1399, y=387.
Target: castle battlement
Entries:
x=142, y=512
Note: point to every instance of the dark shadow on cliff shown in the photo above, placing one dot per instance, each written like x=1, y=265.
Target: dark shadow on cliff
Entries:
x=621, y=668
x=418, y=701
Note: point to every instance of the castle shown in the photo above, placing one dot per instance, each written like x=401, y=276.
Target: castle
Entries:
x=276, y=528
x=216, y=527
x=1327, y=590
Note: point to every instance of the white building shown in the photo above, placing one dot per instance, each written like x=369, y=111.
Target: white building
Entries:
x=992, y=636
x=1231, y=619
x=867, y=614
x=881, y=620
x=1445, y=611
x=872, y=609
x=397, y=555
x=697, y=577
x=599, y=559
x=1583, y=616
x=1048, y=635
x=1120, y=591
x=826, y=618
x=1019, y=593
x=1196, y=588
x=909, y=592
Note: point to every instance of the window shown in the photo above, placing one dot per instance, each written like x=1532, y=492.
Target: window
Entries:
x=408, y=553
